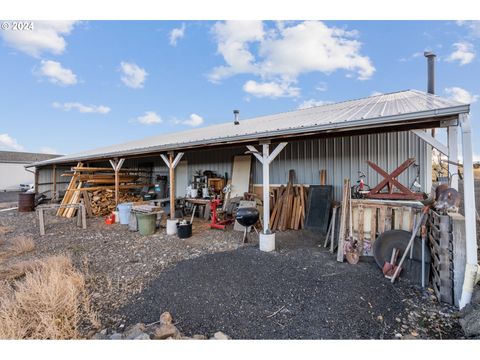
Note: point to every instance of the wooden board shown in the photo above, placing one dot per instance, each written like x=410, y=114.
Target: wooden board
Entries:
x=241, y=175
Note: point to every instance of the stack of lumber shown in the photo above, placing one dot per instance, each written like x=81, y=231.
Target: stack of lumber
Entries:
x=288, y=204
x=102, y=202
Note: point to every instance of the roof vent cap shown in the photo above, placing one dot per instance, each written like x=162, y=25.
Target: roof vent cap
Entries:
x=236, y=114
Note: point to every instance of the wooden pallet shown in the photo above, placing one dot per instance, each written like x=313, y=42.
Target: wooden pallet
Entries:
x=441, y=247
x=372, y=217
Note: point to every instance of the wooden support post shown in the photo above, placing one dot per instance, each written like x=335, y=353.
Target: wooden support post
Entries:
x=117, y=191
x=41, y=221
x=117, y=165
x=172, y=164
x=54, y=183
x=36, y=180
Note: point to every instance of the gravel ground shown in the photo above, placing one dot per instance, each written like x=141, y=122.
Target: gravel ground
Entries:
x=118, y=263
x=213, y=282
x=297, y=292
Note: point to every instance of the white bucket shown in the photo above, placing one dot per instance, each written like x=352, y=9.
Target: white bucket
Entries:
x=172, y=226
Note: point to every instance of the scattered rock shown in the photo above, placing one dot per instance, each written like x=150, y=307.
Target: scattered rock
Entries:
x=398, y=336
x=166, y=318
x=134, y=331
x=142, y=336
x=470, y=320
x=165, y=331
x=99, y=336
x=199, y=337
x=220, y=336
x=116, y=336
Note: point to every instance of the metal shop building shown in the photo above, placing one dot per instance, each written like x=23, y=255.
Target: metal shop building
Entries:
x=386, y=129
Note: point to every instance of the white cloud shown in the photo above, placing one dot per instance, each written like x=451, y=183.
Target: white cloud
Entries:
x=48, y=150
x=57, y=74
x=286, y=51
x=9, y=143
x=270, y=89
x=149, y=118
x=307, y=104
x=464, y=53
x=194, y=120
x=133, y=75
x=233, y=40
x=376, y=93
x=472, y=25
x=100, y=109
x=176, y=34
x=47, y=36
x=458, y=94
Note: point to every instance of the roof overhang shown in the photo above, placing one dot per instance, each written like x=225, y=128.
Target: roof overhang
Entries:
x=401, y=122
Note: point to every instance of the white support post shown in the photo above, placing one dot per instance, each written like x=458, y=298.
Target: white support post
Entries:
x=453, y=155
x=471, y=268
x=266, y=188
x=172, y=164
x=267, y=238
x=117, y=165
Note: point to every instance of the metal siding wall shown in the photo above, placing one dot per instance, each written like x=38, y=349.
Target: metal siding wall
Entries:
x=344, y=157
x=45, y=175
x=219, y=161
x=341, y=157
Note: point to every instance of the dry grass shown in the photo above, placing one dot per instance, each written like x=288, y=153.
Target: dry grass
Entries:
x=21, y=244
x=47, y=300
x=5, y=230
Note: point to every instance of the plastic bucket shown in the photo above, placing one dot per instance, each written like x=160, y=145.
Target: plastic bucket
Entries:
x=124, y=212
x=172, y=226
x=184, y=231
x=146, y=223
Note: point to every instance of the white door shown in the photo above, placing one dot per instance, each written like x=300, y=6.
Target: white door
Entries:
x=181, y=179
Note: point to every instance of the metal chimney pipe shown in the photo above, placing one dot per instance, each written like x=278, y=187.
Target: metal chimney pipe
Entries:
x=431, y=71
x=236, y=113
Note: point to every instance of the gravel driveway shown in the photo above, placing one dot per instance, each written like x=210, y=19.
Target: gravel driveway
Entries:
x=298, y=292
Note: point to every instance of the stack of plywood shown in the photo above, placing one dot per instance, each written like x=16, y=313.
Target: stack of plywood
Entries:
x=288, y=204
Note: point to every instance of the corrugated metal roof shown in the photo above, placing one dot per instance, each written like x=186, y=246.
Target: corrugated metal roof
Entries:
x=19, y=157
x=370, y=111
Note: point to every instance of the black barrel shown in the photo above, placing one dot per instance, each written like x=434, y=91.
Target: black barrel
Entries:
x=26, y=202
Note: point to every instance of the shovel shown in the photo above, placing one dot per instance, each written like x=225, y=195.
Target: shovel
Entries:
x=389, y=268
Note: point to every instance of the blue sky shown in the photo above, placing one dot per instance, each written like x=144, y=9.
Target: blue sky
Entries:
x=71, y=86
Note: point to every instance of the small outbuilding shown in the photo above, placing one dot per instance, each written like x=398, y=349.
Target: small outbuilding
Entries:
x=12, y=168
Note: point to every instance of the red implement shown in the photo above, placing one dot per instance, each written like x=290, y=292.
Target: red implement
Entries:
x=216, y=222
